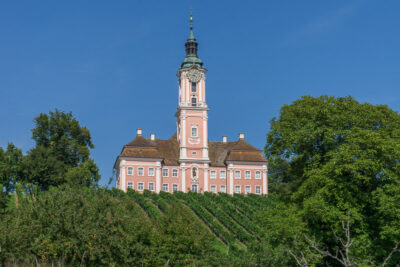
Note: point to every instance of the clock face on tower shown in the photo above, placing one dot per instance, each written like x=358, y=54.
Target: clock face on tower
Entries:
x=194, y=76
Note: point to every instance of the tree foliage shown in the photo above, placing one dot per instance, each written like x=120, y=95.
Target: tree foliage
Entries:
x=10, y=166
x=61, y=154
x=331, y=156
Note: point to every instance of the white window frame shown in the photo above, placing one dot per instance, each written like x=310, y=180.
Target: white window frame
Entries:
x=151, y=189
x=247, y=174
x=140, y=186
x=258, y=175
x=152, y=172
x=130, y=185
x=140, y=171
x=240, y=189
x=197, y=188
x=222, y=190
x=173, y=172
x=163, y=172
x=174, y=188
x=222, y=176
x=238, y=176
x=196, y=132
x=258, y=188
x=215, y=188
x=130, y=171
x=213, y=174
x=247, y=191
x=165, y=186
x=195, y=87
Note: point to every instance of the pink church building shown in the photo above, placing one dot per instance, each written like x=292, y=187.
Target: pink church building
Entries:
x=189, y=161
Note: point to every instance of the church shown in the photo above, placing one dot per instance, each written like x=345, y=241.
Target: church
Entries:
x=189, y=161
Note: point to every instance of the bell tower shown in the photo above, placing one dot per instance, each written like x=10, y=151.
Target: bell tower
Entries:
x=192, y=113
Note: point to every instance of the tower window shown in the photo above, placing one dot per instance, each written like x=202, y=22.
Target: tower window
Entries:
x=194, y=87
x=194, y=131
x=194, y=102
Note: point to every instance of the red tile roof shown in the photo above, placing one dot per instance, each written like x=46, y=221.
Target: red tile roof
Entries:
x=168, y=150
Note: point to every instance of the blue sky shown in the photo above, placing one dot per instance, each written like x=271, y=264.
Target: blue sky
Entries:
x=113, y=63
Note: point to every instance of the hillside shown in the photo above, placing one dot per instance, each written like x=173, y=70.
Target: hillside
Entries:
x=73, y=225
x=232, y=219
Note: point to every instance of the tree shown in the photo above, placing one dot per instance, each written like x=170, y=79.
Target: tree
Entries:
x=61, y=153
x=343, y=254
x=61, y=133
x=10, y=162
x=334, y=155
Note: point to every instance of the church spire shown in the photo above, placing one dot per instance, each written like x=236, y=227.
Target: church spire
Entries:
x=191, y=48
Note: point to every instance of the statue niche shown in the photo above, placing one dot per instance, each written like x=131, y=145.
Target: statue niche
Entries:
x=194, y=173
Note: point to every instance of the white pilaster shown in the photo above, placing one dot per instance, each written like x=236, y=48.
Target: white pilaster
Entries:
x=201, y=91
x=205, y=177
x=204, y=89
x=230, y=167
x=158, y=177
x=183, y=168
x=183, y=149
x=205, y=136
x=187, y=93
x=123, y=175
x=265, y=181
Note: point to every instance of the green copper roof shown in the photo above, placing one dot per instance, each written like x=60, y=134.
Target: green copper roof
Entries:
x=191, y=60
x=191, y=50
x=191, y=36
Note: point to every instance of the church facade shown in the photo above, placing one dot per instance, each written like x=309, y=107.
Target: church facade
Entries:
x=189, y=161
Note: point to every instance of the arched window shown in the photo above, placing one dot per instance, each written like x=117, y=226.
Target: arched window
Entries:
x=194, y=87
x=194, y=102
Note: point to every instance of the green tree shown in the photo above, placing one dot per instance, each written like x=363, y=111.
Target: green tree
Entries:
x=10, y=164
x=332, y=156
x=61, y=154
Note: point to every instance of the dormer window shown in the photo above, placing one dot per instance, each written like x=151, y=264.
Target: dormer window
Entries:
x=194, y=102
x=194, y=87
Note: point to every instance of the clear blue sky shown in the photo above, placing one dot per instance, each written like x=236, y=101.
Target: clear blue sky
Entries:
x=113, y=63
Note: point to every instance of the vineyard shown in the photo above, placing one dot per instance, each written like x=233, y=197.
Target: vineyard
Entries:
x=232, y=219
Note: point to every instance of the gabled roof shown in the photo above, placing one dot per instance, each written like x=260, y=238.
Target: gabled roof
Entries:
x=168, y=150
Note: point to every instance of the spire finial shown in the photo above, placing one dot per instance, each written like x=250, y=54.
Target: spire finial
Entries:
x=191, y=19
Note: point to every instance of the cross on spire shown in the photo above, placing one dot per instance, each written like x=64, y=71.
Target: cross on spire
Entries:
x=191, y=19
